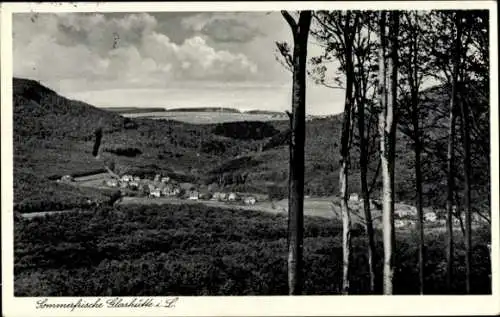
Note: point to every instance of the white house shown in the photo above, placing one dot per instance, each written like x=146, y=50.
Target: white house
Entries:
x=155, y=193
x=354, y=197
x=133, y=185
x=399, y=223
x=232, y=197
x=402, y=210
x=170, y=190
x=127, y=178
x=430, y=216
x=112, y=183
x=165, y=179
x=193, y=195
x=219, y=196
x=67, y=178
x=250, y=200
x=216, y=196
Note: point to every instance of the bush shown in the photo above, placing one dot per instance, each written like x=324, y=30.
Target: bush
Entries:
x=246, y=130
x=277, y=192
x=129, y=152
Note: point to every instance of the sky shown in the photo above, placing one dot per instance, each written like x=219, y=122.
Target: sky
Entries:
x=164, y=59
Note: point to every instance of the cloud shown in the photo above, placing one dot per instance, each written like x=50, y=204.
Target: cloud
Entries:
x=230, y=30
x=103, y=51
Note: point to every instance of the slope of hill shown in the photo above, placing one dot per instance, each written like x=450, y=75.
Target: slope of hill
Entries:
x=133, y=109
x=54, y=136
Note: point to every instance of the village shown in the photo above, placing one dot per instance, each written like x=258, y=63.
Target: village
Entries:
x=164, y=187
x=406, y=216
x=167, y=187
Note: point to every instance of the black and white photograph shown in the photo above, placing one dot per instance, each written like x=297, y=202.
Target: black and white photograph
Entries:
x=338, y=150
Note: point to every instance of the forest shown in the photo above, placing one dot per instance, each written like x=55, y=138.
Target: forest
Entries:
x=385, y=59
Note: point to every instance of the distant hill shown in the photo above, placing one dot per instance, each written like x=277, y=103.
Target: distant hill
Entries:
x=272, y=113
x=204, y=109
x=133, y=109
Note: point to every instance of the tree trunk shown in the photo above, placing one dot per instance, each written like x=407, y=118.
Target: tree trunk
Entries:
x=450, y=187
x=363, y=165
x=296, y=177
x=420, y=212
x=464, y=112
x=467, y=206
x=418, y=149
x=344, y=170
x=387, y=127
x=450, y=159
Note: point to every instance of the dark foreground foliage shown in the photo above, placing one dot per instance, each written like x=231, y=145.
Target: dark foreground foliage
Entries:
x=195, y=250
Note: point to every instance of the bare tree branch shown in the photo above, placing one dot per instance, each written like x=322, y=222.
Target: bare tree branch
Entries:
x=291, y=21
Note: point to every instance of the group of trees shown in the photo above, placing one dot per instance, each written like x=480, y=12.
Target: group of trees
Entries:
x=385, y=61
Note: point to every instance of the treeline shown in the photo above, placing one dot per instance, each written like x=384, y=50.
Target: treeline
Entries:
x=385, y=59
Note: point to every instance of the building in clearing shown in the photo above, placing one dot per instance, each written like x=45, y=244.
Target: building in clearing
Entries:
x=404, y=211
x=127, y=178
x=216, y=196
x=155, y=193
x=399, y=223
x=133, y=185
x=250, y=200
x=67, y=178
x=193, y=195
x=232, y=197
x=430, y=216
x=165, y=179
x=112, y=183
x=354, y=197
x=170, y=190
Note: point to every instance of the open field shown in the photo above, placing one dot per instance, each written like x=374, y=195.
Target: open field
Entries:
x=204, y=117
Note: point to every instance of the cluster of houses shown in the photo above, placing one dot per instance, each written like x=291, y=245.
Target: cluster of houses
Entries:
x=166, y=187
x=159, y=186
x=404, y=215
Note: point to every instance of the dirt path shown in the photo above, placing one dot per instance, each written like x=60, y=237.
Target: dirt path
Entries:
x=315, y=207
x=32, y=215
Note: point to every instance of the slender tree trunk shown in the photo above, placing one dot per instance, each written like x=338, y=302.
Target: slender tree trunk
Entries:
x=465, y=131
x=363, y=164
x=420, y=212
x=387, y=144
x=450, y=187
x=415, y=117
x=382, y=95
x=296, y=177
x=344, y=171
x=467, y=206
x=451, y=157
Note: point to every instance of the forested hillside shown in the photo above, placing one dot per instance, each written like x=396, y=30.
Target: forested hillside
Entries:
x=51, y=128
